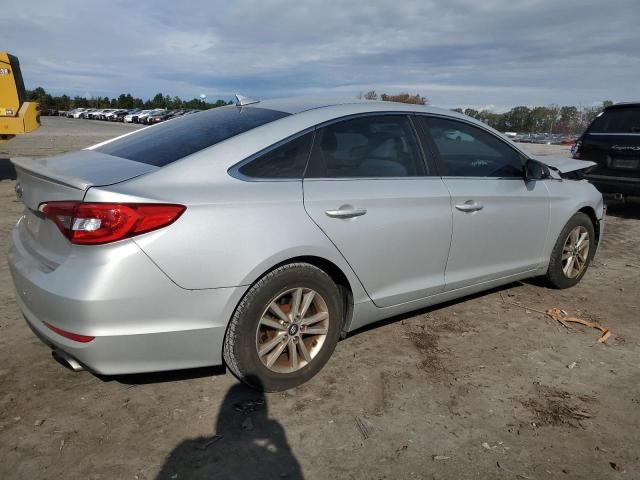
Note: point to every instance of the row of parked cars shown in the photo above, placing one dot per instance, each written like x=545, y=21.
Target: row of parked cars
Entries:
x=545, y=138
x=136, y=115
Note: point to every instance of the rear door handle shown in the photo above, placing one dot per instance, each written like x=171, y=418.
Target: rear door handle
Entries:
x=470, y=206
x=346, y=213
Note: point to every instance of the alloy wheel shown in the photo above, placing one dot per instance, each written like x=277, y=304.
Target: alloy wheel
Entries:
x=575, y=252
x=292, y=330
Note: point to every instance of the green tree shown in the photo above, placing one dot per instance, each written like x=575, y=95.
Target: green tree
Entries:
x=471, y=112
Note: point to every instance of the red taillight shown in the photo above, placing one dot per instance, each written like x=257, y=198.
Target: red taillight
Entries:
x=94, y=223
x=71, y=336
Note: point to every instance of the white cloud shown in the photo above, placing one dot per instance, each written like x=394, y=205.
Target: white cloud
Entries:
x=460, y=52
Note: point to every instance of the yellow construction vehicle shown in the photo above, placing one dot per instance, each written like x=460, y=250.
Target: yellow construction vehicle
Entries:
x=16, y=115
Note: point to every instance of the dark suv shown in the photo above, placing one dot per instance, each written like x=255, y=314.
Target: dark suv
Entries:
x=613, y=142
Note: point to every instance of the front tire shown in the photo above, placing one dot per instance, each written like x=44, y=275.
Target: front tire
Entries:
x=572, y=252
x=285, y=328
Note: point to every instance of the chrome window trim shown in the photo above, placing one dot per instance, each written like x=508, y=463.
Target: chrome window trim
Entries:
x=234, y=172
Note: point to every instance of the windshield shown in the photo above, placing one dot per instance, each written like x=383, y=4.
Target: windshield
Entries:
x=182, y=136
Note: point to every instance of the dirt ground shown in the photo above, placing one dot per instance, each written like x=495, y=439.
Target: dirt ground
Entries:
x=484, y=387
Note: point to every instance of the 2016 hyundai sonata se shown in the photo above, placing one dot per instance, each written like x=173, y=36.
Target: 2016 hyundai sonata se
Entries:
x=256, y=235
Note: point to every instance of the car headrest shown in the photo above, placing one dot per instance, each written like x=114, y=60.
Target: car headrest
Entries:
x=329, y=141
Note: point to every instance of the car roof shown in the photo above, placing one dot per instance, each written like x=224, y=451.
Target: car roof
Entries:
x=302, y=104
x=623, y=105
x=333, y=109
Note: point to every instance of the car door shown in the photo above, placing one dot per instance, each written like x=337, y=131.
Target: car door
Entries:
x=500, y=221
x=367, y=187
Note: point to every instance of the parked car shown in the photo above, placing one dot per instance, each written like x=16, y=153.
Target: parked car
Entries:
x=160, y=116
x=49, y=112
x=93, y=114
x=85, y=113
x=104, y=114
x=132, y=116
x=112, y=115
x=146, y=119
x=118, y=116
x=142, y=117
x=76, y=112
x=612, y=141
x=194, y=243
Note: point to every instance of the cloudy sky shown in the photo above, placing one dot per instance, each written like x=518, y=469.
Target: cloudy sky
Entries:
x=480, y=53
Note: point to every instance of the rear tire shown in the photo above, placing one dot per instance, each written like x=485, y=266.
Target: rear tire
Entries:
x=572, y=252
x=296, y=342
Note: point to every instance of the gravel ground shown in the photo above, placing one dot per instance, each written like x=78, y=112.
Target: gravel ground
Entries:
x=483, y=387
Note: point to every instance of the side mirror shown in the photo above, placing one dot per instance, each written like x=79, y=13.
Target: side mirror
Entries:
x=534, y=170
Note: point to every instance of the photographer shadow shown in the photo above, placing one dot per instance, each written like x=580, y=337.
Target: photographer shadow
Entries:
x=245, y=444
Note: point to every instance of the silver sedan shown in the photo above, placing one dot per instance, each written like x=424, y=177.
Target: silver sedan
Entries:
x=257, y=235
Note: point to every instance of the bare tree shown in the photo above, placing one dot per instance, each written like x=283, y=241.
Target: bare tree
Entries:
x=405, y=97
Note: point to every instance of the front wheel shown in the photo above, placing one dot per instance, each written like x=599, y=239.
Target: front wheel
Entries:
x=285, y=328
x=572, y=252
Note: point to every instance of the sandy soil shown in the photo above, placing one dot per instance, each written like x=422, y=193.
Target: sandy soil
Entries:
x=485, y=387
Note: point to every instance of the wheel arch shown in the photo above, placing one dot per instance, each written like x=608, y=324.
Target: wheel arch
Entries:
x=591, y=213
x=348, y=291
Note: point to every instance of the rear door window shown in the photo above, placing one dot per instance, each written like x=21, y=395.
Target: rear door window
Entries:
x=373, y=147
x=177, y=138
x=617, y=120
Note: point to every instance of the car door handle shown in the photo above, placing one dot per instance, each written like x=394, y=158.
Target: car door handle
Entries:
x=346, y=212
x=469, y=206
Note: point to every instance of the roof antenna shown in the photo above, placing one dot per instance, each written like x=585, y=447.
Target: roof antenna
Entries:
x=241, y=101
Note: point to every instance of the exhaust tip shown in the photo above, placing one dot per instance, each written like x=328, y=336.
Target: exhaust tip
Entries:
x=67, y=361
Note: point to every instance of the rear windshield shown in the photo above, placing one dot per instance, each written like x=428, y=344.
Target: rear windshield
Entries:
x=182, y=136
x=617, y=120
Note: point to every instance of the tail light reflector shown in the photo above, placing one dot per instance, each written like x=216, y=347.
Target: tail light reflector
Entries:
x=97, y=223
x=71, y=336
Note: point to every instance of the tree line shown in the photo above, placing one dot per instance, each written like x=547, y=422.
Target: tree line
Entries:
x=123, y=101
x=565, y=119
x=403, y=97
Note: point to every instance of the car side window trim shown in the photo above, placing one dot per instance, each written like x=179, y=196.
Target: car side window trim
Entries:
x=431, y=145
x=428, y=171
x=430, y=152
x=234, y=170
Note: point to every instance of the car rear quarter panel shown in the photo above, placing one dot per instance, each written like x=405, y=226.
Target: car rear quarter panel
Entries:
x=232, y=232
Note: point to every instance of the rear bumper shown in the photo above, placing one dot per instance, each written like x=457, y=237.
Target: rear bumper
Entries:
x=612, y=185
x=140, y=319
